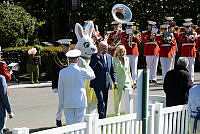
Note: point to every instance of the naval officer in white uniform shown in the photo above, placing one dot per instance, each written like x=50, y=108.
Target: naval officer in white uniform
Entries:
x=71, y=88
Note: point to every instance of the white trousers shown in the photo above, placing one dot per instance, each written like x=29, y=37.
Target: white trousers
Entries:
x=191, y=67
x=133, y=61
x=166, y=63
x=59, y=113
x=174, y=58
x=74, y=115
x=152, y=63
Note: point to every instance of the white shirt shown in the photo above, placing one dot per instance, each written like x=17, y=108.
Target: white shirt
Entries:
x=194, y=100
x=71, y=86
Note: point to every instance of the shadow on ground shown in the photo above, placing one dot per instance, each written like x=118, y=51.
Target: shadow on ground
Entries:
x=33, y=130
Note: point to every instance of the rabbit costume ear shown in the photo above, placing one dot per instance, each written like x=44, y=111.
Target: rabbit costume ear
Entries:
x=89, y=28
x=79, y=31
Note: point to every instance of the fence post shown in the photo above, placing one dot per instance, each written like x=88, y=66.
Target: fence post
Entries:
x=22, y=130
x=158, y=122
x=89, y=119
x=95, y=124
x=150, y=127
x=128, y=102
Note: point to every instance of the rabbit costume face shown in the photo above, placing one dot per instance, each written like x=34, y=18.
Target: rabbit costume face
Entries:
x=85, y=43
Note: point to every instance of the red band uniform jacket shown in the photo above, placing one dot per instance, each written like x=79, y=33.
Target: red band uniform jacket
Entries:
x=166, y=48
x=125, y=41
x=188, y=46
x=150, y=46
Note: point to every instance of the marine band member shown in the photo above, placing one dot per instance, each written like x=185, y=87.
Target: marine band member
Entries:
x=129, y=39
x=188, y=40
x=166, y=41
x=114, y=38
x=151, y=50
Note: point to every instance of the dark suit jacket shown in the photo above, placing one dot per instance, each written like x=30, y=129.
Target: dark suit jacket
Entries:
x=4, y=100
x=176, y=85
x=103, y=71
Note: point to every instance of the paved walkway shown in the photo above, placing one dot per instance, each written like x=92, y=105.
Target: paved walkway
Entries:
x=35, y=105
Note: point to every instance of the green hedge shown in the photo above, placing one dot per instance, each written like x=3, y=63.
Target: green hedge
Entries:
x=47, y=55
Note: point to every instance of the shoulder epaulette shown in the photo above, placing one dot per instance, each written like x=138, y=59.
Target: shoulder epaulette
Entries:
x=3, y=62
x=159, y=34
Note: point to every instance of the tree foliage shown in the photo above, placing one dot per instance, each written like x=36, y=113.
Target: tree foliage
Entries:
x=60, y=19
x=17, y=27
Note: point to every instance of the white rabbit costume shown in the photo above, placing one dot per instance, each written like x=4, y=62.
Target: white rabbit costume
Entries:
x=86, y=45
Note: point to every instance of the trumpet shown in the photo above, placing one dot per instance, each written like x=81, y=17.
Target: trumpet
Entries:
x=176, y=29
x=167, y=37
x=134, y=34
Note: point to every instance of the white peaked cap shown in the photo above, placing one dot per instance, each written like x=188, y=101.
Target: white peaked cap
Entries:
x=164, y=26
x=151, y=22
x=64, y=41
x=169, y=18
x=188, y=20
x=130, y=23
x=73, y=53
x=115, y=22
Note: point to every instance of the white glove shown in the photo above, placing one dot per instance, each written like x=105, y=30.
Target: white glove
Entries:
x=55, y=90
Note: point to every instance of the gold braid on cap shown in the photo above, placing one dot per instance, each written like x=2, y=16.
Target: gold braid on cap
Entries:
x=59, y=63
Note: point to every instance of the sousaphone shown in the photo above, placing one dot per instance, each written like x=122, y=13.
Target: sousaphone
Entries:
x=121, y=13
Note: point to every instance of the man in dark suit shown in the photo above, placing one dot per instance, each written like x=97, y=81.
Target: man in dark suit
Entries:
x=177, y=83
x=102, y=65
x=4, y=103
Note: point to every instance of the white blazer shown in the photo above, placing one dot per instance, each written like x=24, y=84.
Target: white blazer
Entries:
x=71, y=86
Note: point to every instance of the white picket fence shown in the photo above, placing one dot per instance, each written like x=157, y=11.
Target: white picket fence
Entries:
x=125, y=124
x=170, y=120
x=131, y=100
x=161, y=120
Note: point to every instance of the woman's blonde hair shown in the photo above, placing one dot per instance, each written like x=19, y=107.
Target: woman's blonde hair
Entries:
x=119, y=48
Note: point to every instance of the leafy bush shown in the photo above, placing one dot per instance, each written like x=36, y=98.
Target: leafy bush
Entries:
x=20, y=55
x=17, y=27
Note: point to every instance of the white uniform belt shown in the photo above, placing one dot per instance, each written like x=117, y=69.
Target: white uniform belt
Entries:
x=187, y=44
x=133, y=43
x=150, y=43
x=166, y=45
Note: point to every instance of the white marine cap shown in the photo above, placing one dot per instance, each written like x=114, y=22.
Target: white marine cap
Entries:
x=164, y=26
x=151, y=22
x=187, y=24
x=130, y=23
x=169, y=18
x=64, y=41
x=73, y=53
x=115, y=23
x=188, y=20
x=87, y=21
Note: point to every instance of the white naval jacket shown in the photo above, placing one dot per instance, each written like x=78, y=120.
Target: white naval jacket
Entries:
x=71, y=86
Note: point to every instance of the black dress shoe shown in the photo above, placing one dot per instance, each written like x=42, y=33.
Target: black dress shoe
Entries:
x=5, y=130
x=58, y=123
x=154, y=81
x=150, y=81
